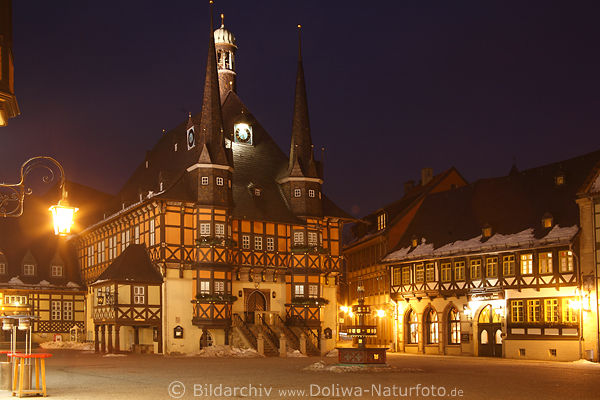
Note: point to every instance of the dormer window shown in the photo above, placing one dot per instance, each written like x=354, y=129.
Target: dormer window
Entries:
x=242, y=133
x=28, y=269
x=57, y=271
x=257, y=192
x=175, y=146
x=414, y=242
x=146, y=164
x=205, y=180
x=486, y=231
x=381, y=221
x=297, y=192
x=547, y=220
x=559, y=179
x=311, y=193
x=219, y=181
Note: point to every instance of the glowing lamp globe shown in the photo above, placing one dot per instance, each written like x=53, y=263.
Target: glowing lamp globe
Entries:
x=63, y=216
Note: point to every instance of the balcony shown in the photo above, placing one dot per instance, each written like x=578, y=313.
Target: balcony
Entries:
x=303, y=315
x=211, y=314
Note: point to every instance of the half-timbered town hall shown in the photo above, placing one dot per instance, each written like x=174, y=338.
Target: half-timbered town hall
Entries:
x=218, y=237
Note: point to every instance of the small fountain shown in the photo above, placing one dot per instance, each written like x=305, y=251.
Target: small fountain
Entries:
x=361, y=354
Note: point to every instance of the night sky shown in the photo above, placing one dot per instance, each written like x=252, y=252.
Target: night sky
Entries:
x=393, y=86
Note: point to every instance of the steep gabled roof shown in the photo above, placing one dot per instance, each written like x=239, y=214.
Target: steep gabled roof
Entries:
x=133, y=265
x=451, y=222
x=398, y=208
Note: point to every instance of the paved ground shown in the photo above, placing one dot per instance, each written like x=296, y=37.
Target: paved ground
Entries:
x=81, y=375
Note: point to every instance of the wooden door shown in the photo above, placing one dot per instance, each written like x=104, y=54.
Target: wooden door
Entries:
x=255, y=302
x=489, y=333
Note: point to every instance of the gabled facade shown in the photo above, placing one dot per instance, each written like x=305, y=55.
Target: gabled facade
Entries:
x=245, y=245
x=495, y=268
x=379, y=232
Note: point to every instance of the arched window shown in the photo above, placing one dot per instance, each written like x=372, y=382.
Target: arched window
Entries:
x=453, y=326
x=432, y=327
x=413, y=327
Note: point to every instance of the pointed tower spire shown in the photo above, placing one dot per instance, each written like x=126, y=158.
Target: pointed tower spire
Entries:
x=301, y=145
x=211, y=119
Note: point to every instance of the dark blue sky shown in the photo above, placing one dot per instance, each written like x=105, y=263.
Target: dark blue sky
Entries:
x=393, y=86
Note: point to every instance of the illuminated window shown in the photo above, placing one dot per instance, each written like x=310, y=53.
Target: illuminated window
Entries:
x=205, y=180
x=312, y=238
x=430, y=272
x=381, y=221
x=508, y=265
x=491, y=267
x=311, y=193
x=419, y=273
x=220, y=287
x=205, y=229
x=313, y=291
x=565, y=260
x=270, y=244
x=56, y=310
x=90, y=255
x=257, y=192
x=551, y=310
x=204, y=287
x=219, y=181
x=545, y=263
x=533, y=310
x=258, y=243
x=245, y=242
x=526, y=264
x=547, y=221
x=433, y=326
x=136, y=234
x=298, y=237
x=413, y=327
x=459, y=270
x=446, y=272
x=570, y=310
x=219, y=230
x=475, y=269
x=139, y=296
x=102, y=251
x=297, y=192
x=67, y=310
x=152, y=233
x=125, y=237
x=299, y=290
x=28, y=269
x=57, y=270
x=517, y=314
x=405, y=275
x=454, y=326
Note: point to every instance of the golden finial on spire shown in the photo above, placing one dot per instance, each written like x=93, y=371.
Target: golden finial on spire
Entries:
x=299, y=26
x=222, y=20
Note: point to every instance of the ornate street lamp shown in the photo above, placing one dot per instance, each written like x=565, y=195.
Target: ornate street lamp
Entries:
x=12, y=195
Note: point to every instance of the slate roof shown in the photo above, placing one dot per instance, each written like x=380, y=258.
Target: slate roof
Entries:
x=513, y=206
x=133, y=265
x=366, y=228
x=260, y=164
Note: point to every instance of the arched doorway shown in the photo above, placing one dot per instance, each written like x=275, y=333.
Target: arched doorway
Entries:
x=255, y=302
x=206, y=340
x=489, y=329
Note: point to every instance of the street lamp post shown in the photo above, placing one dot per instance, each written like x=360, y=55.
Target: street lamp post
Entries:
x=12, y=195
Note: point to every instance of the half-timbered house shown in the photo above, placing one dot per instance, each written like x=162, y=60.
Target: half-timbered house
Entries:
x=373, y=236
x=493, y=268
x=244, y=238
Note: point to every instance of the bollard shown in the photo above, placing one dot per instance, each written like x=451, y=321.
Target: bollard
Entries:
x=303, y=344
x=282, y=346
x=260, y=344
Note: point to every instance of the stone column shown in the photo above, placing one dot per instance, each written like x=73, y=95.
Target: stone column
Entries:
x=422, y=338
x=103, y=334
x=117, y=348
x=110, y=339
x=442, y=333
x=96, y=339
x=282, y=346
x=303, y=343
x=260, y=344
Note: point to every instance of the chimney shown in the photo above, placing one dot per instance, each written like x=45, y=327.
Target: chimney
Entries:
x=408, y=185
x=426, y=176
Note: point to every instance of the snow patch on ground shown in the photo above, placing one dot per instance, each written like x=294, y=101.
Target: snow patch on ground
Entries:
x=67, y=345
x=332, y=353
x=320, y=366
x=115, y=355
x=222, y=351
x=295, y=353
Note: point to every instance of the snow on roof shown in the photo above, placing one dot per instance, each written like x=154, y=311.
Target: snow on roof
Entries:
x=15, y=281
x=523, y=239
